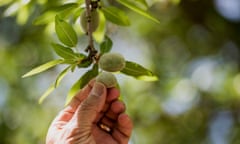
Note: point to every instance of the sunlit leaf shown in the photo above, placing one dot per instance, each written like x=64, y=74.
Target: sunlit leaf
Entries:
x=65, y=32
x=22, y=15
x=67, y=9
x=43, y=67
x=80, y=1
x=67, y=6
x=73, y=90
x=61, y=76
x=116, y=16
x=135, y=70
x=64, y=52
x=45, y=18
x=143, y=2
x=48, y=16
x=46, y=93
x=137, y=10
x=100, y=32
x=77, y=14
x=106, y=45
x=148, y=78
x=81, y=83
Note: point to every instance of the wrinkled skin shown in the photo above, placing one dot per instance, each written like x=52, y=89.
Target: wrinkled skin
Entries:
x=78, y=122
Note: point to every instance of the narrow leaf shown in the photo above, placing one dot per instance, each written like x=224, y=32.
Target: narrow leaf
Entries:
x=65, y=32
x=143, y=2
x=88, y=76
x=106, y=45
x=45, y=18
x=138, y=71
x=77, y=14
x=64, y=52
x=72, y=92
x=43, y=67
x=49, y=15
x=67, y=6
x=67, y=9
x=81, y=83
x=116, y=16
x=73, y=67
x=46, y=93
x=61, y=76
x=138, y=10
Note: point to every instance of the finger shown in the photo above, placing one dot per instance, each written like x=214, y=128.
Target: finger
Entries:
x=125, y=124
x=119, y=137
x=112, y=95
x=67, y=113
x=110, y=118
x=123, y=130
x=115, y=109
x=91, y=106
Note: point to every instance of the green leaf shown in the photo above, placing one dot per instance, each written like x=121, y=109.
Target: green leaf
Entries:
x=106, y=45
x=143, y=2
x=65, y=32
x=81, y=83
x=85, y=63
x=72, y=92
x=55, y=85
x=77, y=14
x=43, y=67
x=67, y=6
x=88, y=76
x=46, y=93
x=135, y=70
x=73, y=67
x=137, y=10
x=67, y=9
x=64, y=52
x=48, y=16
x=116, y=16
x=45, y=18
x=100, y=32
x=61, y=76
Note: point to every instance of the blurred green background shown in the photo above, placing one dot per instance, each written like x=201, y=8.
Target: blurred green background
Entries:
x=194, y=51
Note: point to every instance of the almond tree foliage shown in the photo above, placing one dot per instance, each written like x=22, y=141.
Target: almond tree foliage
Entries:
x=194, y=51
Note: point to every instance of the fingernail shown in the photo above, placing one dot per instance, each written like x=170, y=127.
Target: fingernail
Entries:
x=97, y=89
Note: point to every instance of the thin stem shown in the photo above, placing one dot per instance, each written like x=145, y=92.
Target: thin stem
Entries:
x=90, y=48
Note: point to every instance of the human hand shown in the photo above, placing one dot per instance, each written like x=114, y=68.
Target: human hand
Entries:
x=94, y=116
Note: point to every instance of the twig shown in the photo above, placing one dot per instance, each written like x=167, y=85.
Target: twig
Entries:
x=92, y=51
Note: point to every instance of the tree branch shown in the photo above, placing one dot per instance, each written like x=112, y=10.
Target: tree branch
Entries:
x=92, y=51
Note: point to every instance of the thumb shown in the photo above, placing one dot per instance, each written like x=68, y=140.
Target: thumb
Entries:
x=91, y=106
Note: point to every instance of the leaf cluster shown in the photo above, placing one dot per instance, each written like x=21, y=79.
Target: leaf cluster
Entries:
x=64, y=17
